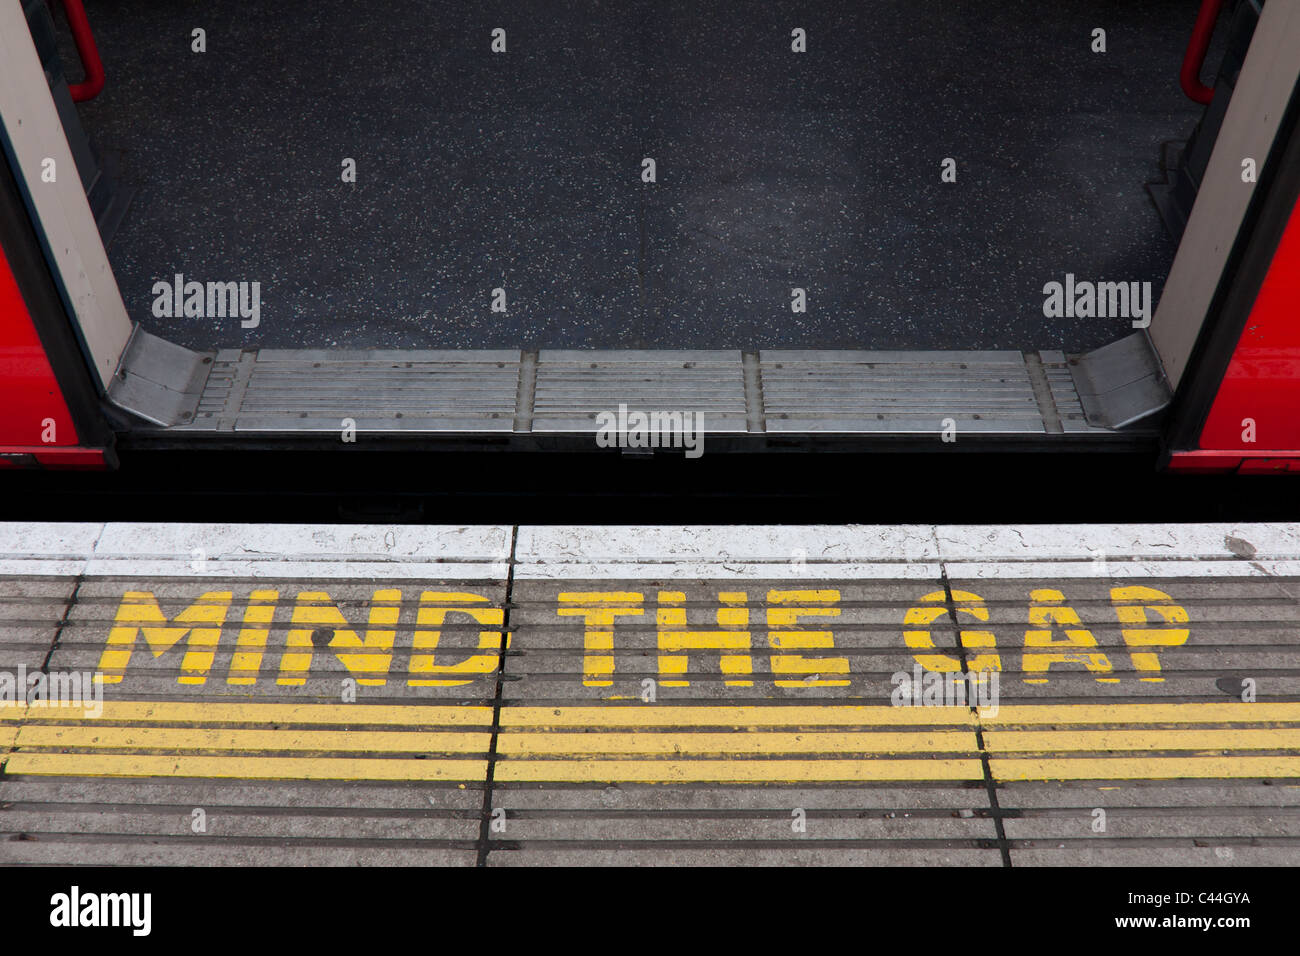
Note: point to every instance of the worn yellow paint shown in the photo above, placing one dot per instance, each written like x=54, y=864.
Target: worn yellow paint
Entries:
x=799, y=716
x=217, y=712
x=1131, y=604
x=1143, y=768
x=1068, y=741
x=1046, y=611
x=214, y=713
x=246, y=663
x=243, y=768
x=1047, y=608
x=1113, y=714
x=434, y=608
x=651, y=743
x=520, y=743
x=367, y=654
x=599, y=609
x=791, y=606
x=733, y=639
x=139, y=614
x=732, y=771
x=92, y=735
x=369, y=658
x=935, y=605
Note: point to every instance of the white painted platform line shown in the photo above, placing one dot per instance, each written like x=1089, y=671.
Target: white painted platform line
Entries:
x=727, y=552
x=34, y=548
x=1123, y=550
x=288, y=551
x=909, y=551
x=630, y=552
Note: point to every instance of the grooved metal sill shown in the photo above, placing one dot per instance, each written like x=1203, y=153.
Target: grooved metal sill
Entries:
x=785, y=393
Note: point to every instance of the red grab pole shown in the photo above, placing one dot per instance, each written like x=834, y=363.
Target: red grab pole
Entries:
x=1194, y=58
x=86, y=49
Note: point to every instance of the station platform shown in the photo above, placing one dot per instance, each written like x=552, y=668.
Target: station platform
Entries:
x=528, y=695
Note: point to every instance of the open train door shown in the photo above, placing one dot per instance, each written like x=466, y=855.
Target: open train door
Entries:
x=1213, y=382
x=1227, y=330
x=63, y=327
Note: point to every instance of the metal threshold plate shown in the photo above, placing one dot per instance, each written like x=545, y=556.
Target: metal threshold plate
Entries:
x=308, y=390
x=565, y=392
x=1121, y=383
x=160, y=382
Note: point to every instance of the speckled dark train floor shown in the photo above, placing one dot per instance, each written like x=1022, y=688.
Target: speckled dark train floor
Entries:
x=522, y=170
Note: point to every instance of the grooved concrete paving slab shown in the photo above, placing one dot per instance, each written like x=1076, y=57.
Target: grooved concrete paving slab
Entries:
x=668, y=696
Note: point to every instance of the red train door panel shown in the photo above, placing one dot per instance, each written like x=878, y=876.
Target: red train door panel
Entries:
x=36, y=425
x=1257, y=409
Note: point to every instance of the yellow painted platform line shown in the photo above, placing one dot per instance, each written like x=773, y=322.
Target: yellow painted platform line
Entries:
x=210, y=712
x=722, y=715
x=1239, y=747
x=177, y=739
x=184, y=738
x=1182, y=713
x=735, y=743
x=733, y=771
x=656, y=743
x=1074, y=741
x=244, y=768
x=1145, y=768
